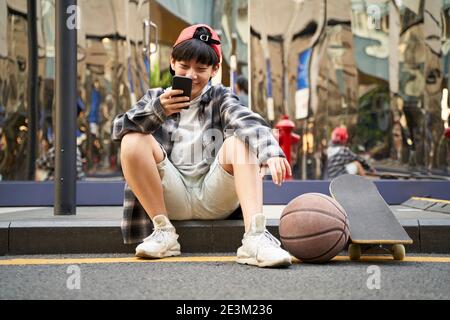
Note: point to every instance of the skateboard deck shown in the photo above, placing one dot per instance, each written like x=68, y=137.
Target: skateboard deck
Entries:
x=371, y=221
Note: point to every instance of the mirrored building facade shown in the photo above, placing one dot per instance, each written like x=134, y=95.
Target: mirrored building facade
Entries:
x=380, y=68
x=118, y=61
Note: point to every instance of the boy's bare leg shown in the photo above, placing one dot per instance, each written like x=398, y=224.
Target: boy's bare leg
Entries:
x=361, y=170
x=239, y=161
x=139, y=155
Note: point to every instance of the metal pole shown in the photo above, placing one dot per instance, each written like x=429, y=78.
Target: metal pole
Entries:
x=249, y=56
x=234, y=44
x=66, y=112
x=32, y=89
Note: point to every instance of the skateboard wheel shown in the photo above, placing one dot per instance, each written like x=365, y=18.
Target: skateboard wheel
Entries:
x=398, y=251
x=354, y=251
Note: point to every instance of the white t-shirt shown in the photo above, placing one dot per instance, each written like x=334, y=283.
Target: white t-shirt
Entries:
x=187, y=152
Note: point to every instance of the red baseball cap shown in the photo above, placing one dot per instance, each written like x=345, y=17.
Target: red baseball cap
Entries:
x=339, y=135
x=211, y=39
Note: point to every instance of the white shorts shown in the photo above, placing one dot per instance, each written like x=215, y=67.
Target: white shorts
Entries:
x=209, y=197
x=352, y=168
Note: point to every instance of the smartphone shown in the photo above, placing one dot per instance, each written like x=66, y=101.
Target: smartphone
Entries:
x=183, y=83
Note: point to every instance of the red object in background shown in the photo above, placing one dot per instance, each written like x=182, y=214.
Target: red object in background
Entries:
x=287, y=138
x=447, y=133
x=339, y=135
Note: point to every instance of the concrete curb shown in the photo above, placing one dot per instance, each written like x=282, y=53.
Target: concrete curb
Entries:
x=435, y=235
x=30, y=237
x=4, y=237
x=412, y=227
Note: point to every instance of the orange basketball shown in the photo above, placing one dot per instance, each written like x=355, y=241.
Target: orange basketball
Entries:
x=314, y=228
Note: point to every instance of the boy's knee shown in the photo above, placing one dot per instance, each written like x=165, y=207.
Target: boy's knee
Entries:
x=234, y=143
x=132, y=139
x=237, y=152
x=134, y=143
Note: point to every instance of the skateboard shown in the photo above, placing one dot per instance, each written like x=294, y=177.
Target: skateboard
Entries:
x=371, y=221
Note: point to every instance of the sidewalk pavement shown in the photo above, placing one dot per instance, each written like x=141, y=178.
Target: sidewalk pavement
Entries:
x=28, y=231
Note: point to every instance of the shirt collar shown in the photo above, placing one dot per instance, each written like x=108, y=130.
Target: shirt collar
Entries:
x=207, y=95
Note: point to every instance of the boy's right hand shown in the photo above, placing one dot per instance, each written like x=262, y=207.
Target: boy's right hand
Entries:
x=173, y=104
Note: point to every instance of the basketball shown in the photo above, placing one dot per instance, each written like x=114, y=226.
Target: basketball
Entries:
x=314, y=228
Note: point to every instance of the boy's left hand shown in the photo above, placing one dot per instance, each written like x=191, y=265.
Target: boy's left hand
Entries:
x=279, y=168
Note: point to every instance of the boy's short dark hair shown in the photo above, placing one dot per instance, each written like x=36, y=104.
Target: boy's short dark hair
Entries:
x=197, y=50
x=197, y=43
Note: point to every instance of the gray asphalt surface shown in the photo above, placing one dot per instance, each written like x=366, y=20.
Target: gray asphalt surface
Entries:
x=226, y=281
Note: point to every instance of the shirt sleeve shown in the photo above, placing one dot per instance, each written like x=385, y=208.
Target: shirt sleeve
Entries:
x=146, y=116
x=354, y=157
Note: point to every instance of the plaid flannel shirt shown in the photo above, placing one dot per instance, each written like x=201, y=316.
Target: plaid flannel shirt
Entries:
x=336, y=164
x=221, y=116
x=46, y=162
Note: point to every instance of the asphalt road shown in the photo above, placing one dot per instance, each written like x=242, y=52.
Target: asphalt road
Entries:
x=214, y=278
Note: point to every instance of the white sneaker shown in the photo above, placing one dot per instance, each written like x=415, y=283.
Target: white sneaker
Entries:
x=260, y=248
x=162, y=242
